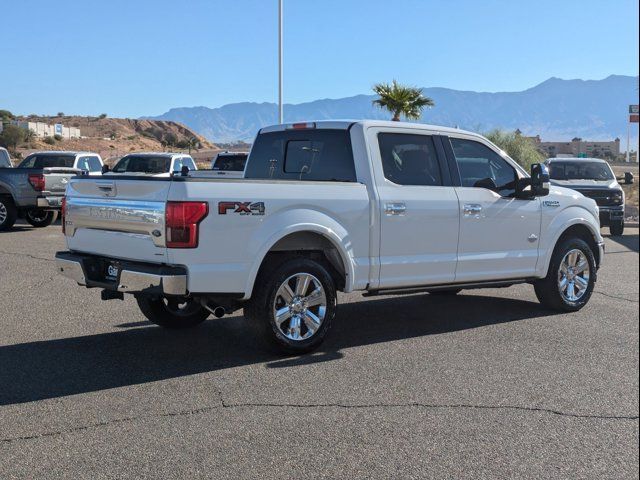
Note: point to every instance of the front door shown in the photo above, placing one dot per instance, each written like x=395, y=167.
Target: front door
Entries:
x=498, y=233
x=419, y=214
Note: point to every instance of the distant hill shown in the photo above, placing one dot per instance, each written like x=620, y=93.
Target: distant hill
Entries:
x=113, y=137
x=555, y=109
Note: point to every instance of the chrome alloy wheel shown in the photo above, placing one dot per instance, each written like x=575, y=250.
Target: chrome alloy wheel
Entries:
x=300, y=306
x=3, y=213
x=573, y=275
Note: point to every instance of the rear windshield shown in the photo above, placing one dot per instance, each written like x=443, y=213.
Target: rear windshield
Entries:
x=142, y=164
x=580, y=171
x=44, y=161
x=315, y=155
x=232, y=163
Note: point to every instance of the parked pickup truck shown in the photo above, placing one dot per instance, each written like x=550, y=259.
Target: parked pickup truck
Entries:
x=230, y=164
x=379, y=207
x=161, y=164
x=593, y=178
x=35, y=188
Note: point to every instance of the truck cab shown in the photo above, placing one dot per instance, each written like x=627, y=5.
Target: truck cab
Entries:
x=371, y=206
x=157, y=164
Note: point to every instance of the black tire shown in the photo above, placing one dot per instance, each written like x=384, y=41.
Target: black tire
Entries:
x=617, y=228
x=447, y=292
x=8, y=213
x=548, y=289
x=260, y=310
x=172, y=312
x=41, y=218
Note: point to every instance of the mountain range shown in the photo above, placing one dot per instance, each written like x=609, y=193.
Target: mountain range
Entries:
x=555, y=109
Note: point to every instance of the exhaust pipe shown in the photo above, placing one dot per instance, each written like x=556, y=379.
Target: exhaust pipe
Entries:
x=218, y=311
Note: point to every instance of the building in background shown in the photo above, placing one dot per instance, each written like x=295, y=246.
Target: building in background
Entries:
x=579, y=148
x=41, y=129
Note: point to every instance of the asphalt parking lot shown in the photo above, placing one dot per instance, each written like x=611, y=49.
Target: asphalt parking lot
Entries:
x=484, y=385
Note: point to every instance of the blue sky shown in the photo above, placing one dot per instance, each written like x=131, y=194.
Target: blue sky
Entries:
x=142, y=57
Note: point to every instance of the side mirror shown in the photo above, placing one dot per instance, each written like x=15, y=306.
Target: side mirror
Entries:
x=539, y=180
x=628, y=178
x=184, y=171
x=105, y=169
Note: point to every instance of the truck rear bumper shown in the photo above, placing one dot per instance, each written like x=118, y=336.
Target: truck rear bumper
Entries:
x=121, y=275
x=50, y=203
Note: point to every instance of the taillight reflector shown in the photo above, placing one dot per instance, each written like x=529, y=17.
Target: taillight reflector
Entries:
x=181, y=222
x=37, y=181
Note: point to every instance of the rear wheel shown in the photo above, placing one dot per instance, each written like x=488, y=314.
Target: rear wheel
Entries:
x=8, y=213
x=571, y=277
x=172, y=312
x=293, y=305
x=617, y=228
x=40, y=218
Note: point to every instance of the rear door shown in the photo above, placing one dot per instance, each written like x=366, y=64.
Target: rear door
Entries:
x=115, y=217
x=498, y=232
x=419, y=215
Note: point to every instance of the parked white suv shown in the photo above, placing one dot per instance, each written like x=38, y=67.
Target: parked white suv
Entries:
x=380, y=207
x=160, y=164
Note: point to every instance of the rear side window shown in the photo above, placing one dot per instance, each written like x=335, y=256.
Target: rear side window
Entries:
x=409, y=159
x=314, y=155
x=44, y=161
x=188, y=161
x=142, y=164
x=232, y=163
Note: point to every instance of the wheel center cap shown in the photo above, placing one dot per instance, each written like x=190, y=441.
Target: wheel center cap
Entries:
x=297, y=306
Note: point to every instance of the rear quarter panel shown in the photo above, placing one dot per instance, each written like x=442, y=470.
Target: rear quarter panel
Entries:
x=232, y=245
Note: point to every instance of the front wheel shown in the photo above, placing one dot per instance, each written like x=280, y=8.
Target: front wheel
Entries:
x=41, y=218
x=617, y=228
x=172, y=312
x=8, y=213
x=571, y=277
x=293, y=305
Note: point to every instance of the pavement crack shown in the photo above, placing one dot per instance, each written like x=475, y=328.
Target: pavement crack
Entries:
x=617, y=297
x=225, y=405
x=21, y=254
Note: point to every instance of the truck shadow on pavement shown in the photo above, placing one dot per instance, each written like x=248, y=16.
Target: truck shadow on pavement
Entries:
x=57, y=368
x=628, y=241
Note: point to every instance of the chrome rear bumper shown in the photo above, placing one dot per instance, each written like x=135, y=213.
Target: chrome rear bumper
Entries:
x=130, y=277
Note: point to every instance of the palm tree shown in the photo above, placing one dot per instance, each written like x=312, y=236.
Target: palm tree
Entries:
x=194, y=143
x=401, y=100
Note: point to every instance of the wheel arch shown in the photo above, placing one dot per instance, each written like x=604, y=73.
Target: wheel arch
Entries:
x=579, y=228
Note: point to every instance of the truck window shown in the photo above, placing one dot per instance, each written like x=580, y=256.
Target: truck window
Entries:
x=409, y=159
x=142, y=164
x=188, y=161
x=94, y=164
x=478, y=162
x=232, y=163
x=313, y=155
x=43, y=161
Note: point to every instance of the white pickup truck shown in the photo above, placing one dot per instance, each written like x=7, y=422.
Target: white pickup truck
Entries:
x=380, y=207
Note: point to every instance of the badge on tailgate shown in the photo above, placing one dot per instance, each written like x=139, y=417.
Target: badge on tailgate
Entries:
x=241, y=208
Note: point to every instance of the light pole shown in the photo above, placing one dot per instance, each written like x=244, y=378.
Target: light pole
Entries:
x=280, y=106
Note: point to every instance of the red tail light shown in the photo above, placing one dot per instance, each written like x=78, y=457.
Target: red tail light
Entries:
x=182, y=219
x=63, y=211
x=37, y=181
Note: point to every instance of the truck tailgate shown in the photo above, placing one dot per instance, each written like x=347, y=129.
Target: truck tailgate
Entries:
x=120, y=218
x=57, y=178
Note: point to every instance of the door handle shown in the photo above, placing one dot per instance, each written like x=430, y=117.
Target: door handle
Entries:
x=395, y=208
x=472, y=210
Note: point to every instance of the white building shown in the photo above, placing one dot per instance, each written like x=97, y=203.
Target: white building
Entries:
x=44, y=130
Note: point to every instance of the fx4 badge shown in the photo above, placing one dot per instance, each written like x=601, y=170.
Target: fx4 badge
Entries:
x=242, y=208
x=551, y=203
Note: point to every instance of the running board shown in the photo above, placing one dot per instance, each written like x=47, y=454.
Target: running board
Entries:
x=448, y=286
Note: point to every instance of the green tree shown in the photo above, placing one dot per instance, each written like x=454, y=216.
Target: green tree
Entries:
x=11, y=136
x=517, y=146
x=401, y=100
x=6, y=116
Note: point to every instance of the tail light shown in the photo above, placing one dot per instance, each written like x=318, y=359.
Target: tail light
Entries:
x=181, y=221
x=63, y=212
x=37, y=181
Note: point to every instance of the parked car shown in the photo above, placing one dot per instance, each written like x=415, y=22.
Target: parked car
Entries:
x=35, y=188
x=593, y=178
x=379, y=207
x=161, y=164
x=230, y=164
x=5, y=159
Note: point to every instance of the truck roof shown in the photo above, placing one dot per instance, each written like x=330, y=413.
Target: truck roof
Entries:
x=69, y=153
x=155, y=154
x=575, y=159
x=345, y=124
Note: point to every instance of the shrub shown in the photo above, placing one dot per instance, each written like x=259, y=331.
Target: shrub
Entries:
x=103, y=115
x=57, y=137
x=49, y=140
x=11, y=136
x=518, y=147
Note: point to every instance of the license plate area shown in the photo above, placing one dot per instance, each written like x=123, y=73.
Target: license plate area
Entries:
x=103, y=270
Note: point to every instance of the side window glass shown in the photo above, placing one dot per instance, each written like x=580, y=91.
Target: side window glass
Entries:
x=177, y=164
x=481, y=167
x=409, y=159
x=83, y=163
x=189, y=163
x=94, y=164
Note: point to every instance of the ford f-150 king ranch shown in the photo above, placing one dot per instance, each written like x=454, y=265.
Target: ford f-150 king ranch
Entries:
x=34, y=188
x=380, y=207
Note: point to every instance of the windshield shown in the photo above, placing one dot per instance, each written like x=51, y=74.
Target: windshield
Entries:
x=234, y=163
x=142, y=164
x=44, y=161
x=580, y=171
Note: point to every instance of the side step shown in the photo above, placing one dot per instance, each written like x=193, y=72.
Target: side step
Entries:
x=449, y=286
